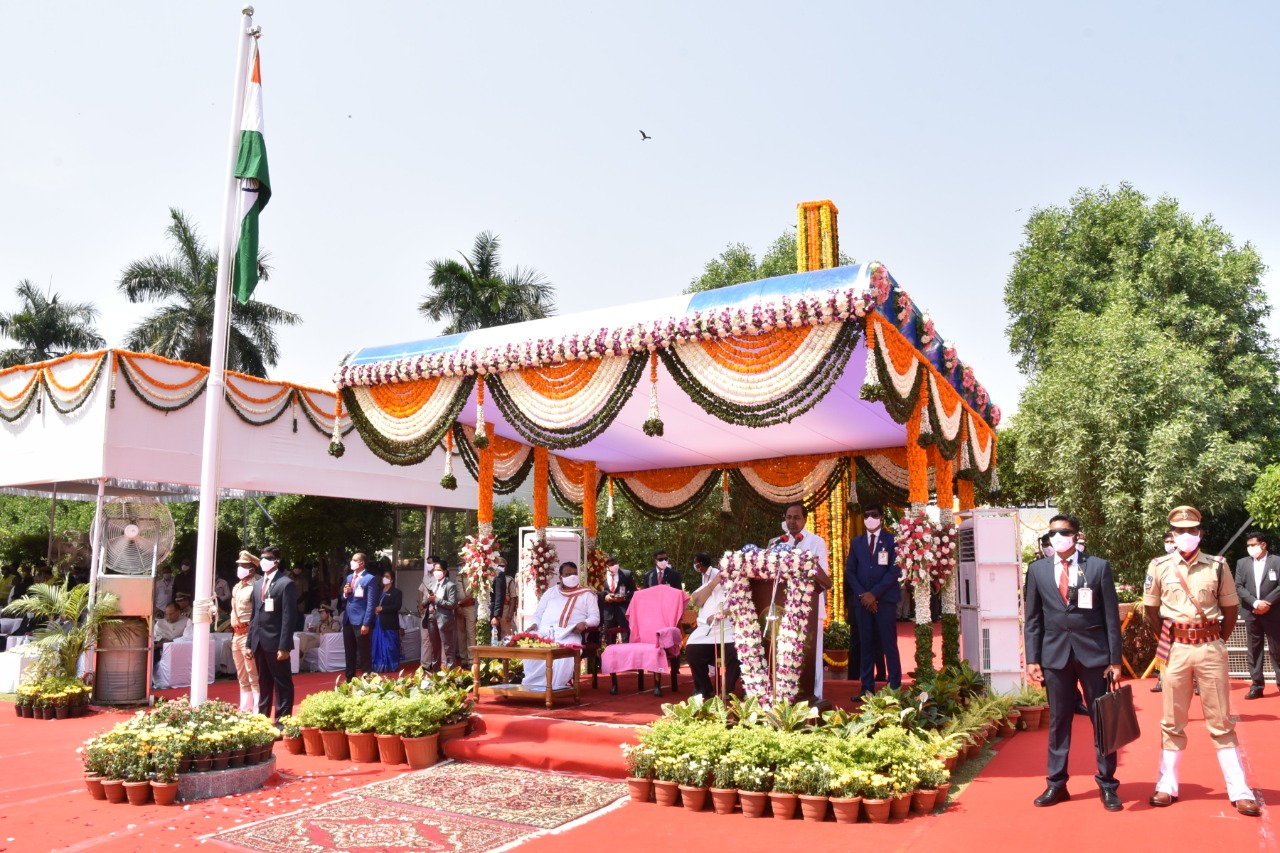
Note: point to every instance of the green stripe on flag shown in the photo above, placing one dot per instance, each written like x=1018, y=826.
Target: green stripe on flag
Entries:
x=251, y=164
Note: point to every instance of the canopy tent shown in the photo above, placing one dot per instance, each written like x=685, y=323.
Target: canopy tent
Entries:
x=128, y=419
x=796, y=387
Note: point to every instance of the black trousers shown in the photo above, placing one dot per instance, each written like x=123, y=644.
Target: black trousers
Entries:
x=353, y=643
x=615, y=616
x=701, y=657
x=1060, y=684
x=879, y=627
x=1257, y=630
x=275, y=678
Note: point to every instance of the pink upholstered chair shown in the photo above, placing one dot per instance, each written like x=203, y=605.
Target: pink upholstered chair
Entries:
x=654, y=615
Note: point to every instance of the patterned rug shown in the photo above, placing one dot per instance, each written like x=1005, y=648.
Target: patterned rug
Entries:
x=449, y=808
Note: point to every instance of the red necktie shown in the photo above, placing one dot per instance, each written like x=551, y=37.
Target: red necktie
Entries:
x=874, y=537
x=1062, y=582
x=266, y=582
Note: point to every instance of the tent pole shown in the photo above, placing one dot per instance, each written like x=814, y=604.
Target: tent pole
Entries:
x=426, y=543
x=95, y=564
x=53, y=507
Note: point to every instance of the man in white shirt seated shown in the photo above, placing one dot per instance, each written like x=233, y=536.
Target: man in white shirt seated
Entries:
x=173, y=626
x=564, y=613
x=713, y=632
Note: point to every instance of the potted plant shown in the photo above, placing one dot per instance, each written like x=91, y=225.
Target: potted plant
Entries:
x=876, y=795
x=835, y=645
x=903, y=773
x=135, y=769
x=692, y=779
x=459, y=705
x=753, y=782
x=667, y=771
x=934, y=783
x=848, y=782
x=1032, y=702
x=358, y=722
x=784, y=797
x=385, y=719
x=724, y=796
x=325, y=711
x=815, y=789
x=312, y=740
x=166, y=757
x=292, y=730
x=418, y=720
x=639, y=759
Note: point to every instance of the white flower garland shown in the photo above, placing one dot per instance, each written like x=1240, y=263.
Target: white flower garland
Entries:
x=416, y=425
x=793, y=492
x=950, y=424
x=747, y=389
x=570, y=488
x=159, y=397
x=902, y=382
x=571, y=411
x=981, y=458
x=503, y=469
x=666, y=500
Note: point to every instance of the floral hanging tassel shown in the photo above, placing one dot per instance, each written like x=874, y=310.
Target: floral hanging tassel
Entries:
x=111, y=368
x=853, y=485
x=871, y=390
x=995, y=481
x=653, y=426
x=448, y=481
x=926, y=423
x=725, y=508
x=608, y=512
x=336, y=448
x=293, y=410
x=481, y=439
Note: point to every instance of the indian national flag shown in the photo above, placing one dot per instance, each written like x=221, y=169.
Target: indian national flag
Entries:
x=255, y=183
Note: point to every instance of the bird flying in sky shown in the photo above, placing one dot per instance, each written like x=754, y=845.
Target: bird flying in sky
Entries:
x=644, y=136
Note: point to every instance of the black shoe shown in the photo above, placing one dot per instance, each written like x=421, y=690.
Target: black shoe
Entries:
x=1255, y=692
x=1052, y=796
x=1081, y=709
x=1110, y=800
x=1159, y=688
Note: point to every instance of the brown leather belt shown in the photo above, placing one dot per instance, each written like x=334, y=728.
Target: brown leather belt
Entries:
x=240, y=629
x=1195, y=635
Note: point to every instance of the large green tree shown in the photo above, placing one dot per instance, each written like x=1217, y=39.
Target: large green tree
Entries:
x=46, y=326
x=477, y=293
x=1151, y=377
x=738, y=264
x=185, y=281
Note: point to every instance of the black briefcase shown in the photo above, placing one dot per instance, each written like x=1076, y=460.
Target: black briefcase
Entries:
x=1115, y=722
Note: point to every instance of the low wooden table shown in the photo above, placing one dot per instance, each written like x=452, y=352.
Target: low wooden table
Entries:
x=510, y=653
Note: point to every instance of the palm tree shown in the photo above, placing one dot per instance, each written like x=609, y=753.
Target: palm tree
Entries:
x=45, y=327
x=71, y=620
x=182, y=328
x=476, y=294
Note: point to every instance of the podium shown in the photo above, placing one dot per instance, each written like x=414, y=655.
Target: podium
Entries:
x=761, y=592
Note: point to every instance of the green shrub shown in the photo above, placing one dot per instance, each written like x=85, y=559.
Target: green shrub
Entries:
x=322, y=710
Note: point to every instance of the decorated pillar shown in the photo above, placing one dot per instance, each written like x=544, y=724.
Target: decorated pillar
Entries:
x=541, y=482
x=917, y=458
x=965, y=492
x=484, y=478
x=944, y=479
x=589, y=502
x=817, y=236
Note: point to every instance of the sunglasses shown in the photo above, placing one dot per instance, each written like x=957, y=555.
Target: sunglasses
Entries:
x=1062, y=531
x=871, y=515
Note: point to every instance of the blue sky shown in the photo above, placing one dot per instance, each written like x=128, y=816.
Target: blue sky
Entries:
x=398, y=130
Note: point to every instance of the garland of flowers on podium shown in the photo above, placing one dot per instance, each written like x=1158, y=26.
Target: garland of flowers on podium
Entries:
x=795, y=569
x=927, y=557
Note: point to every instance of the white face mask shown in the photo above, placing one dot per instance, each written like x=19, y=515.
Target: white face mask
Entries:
x=243, y=572
x=1187, y=542
x=571, y=580
x=356, y=565
x=386, y=581
x=613, y=570
x=267, y=565
x=873, y=524
x=664, y=564
x=1170, y=547
x=1048, y=550
x=1256, y=552
x=1060, y=542
x=439, y=575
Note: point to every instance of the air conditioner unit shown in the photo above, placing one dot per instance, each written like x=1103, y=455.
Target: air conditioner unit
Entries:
x=990, y=597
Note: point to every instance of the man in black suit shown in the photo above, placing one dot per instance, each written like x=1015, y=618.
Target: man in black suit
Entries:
x=1072, y=636
x=871, y=582
x=498, y=601
x=662, y=572
x=275, y=609
x=619, y=586
x=1258, y=585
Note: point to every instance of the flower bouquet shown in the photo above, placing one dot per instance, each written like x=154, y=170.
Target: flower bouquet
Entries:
x=541, y=558
x=479, y=563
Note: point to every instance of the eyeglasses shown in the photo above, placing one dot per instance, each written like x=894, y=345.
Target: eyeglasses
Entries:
x=871, y=514
x=1062, y=531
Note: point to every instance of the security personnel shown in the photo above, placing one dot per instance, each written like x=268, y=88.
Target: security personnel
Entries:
x=1190, y=601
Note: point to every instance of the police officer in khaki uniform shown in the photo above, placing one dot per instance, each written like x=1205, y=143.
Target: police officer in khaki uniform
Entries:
x=1190, y=600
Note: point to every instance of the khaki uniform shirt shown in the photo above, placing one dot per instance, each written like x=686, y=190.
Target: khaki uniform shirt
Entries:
x=1209, y=579
x=242, y=603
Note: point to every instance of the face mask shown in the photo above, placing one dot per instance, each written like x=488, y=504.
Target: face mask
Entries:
x=613, y=570
x=1255, y=551
x=1170, y=547
x=355, y=566
x=1060, y=543
x=1048, y=550
x=572, y=580
x=439, y=575
x=873, y=524
x=664, y=564
x=242, y=572
x=267, y=565
x=1187, y=542
x=386, y=581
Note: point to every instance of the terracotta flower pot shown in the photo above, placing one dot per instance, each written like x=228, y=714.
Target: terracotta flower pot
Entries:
x=665, y=793
x=421, y=752
x=335, y=744
x=62, y=712
x=839, y=658
x=202, y=763
x=236, y=758
x=922, y=800
x=114, y=789
x=640, y=789
x=94, y=784
x=221, y=760
x=877, y=810
x=265, y=752
x=24, y=710
x=17, y=709
x=453, y=730
x=784, y=805
x=363, y=746
x=1032, y=717
x=693, y=798
x=312, y=740
x=1009, y=727
x=814, y=808
x=186, y=764
x=724, y=800
x=941, y=802
x=164, y=793
x=949, y=762
x=253, y=755
x=899, y=806
x=139, y=793
x=49, y=713
x=846, y=809
x=753, y=803
x=390, y=749
x=296, y=745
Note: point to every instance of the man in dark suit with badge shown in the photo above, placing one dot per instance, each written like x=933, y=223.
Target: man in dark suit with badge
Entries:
x=1258, y=585
x=872, y=592
x=275, y=609
x=619, y=586
x=1072, y=636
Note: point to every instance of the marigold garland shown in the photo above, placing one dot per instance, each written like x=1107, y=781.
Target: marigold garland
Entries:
x=590, y=479
x=541, y=475
x=653, y=424
x=481, y=437
x=561, y=381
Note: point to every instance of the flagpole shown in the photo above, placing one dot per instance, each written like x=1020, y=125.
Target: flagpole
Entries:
x=211, y=451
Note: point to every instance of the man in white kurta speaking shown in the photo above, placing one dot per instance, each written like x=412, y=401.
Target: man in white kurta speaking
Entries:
x=564, y=613
x=795, y=532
